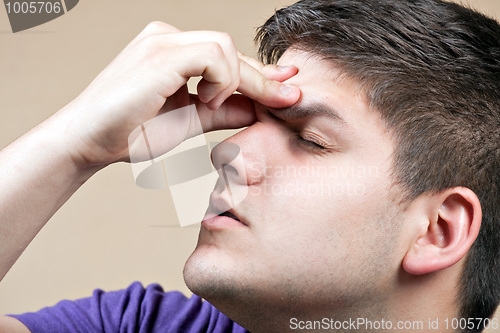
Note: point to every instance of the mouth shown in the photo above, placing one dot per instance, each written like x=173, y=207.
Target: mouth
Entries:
x=230, y=215
x=223, y=220
x=221, y=214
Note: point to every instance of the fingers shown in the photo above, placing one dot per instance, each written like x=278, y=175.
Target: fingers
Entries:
x=220, y=77
x=209, y=54
x=236, y=112
x=270, y=72
x=153, y=28
x=216, y=87
x=270, y=92
x=177, y=56
x=213, y=56
x=155, y=66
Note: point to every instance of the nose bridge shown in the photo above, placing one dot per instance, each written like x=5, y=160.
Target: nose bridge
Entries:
x=244, y=153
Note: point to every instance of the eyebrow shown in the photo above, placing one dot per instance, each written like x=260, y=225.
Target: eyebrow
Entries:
x=303, y=111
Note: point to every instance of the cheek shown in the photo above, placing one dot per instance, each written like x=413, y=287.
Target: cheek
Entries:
x=307, y=191
x=334, y=211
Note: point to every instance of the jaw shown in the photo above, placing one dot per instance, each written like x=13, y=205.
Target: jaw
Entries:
x=259, y=305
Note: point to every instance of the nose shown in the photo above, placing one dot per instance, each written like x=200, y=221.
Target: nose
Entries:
x=242, y=156
x=245, y=154
x=228, y=160
x=231, y=185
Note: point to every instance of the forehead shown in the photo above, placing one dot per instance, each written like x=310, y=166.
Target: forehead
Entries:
x=368, y=140
x=321, y=82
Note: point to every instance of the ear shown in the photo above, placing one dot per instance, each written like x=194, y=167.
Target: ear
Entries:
x=452, y=221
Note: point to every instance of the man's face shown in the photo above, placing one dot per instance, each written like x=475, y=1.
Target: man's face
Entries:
x=319, y=228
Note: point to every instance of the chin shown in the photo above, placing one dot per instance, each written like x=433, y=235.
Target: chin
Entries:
x=218, y=282
x=205, y=274
x=193, y=272
x=221, y=280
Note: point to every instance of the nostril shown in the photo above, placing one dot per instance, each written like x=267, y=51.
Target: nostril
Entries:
x=229, y=169
x=224, y=153
x=241, y=169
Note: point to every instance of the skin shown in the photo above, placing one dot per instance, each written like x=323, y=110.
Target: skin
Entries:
x=92, y=131
x=319, y=232
x=351, y=251
x=339, y=243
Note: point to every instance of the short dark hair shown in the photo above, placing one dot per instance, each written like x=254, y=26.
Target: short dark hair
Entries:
x=432, y=69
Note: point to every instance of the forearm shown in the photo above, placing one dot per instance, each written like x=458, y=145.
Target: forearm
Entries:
x=37, y=175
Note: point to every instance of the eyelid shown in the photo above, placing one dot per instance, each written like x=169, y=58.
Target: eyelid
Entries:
x=310, y=144
x=305, y=137
x=314, y=138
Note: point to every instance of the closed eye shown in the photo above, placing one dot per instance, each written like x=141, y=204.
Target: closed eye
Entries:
x=306, y=139
x=310, y=144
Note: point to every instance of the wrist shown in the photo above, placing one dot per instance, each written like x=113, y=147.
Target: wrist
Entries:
x=56, y=143
x=77, y=136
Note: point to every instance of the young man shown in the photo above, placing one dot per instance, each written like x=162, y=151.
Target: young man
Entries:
x=392, y=109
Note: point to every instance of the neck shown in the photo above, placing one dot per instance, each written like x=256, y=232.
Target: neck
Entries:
x=429, y=300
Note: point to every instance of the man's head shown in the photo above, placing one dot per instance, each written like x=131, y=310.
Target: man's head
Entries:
x=400, y=105
x=432, y=70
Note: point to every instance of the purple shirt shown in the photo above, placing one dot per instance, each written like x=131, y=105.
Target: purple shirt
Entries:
x=134, y=309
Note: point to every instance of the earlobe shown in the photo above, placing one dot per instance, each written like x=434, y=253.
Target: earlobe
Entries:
x=454, y=219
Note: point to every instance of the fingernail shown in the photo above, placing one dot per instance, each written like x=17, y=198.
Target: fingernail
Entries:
x=285, y=90
x=283, y=68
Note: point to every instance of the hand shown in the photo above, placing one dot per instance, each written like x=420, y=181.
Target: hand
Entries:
x=155, y=67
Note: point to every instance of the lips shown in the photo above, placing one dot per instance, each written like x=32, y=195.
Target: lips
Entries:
x=221, y=221
x=220, y=211
x=228, y=214
x=233, y=215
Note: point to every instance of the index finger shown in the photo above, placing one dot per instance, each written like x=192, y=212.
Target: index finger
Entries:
x=270, y=71
x=153, y=28
x=256, y=86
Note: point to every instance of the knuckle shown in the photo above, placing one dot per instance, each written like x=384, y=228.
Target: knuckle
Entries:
x=156, y=27
x=267, y=88
x=149, y=44
x=228, y=88
x=214, y=49
x=225, y=82
x=227, y=43
x=267, y=84
x=225, y=38
x=267, y=70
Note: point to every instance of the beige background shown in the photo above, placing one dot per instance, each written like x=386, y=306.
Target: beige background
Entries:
x=111, y=232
